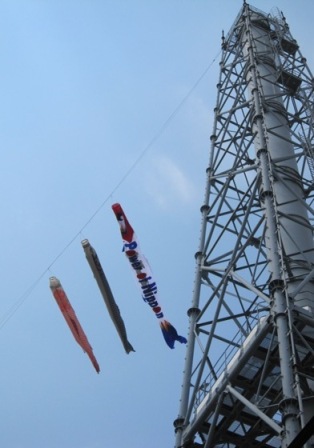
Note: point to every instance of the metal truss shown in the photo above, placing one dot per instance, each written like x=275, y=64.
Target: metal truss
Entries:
x=249, y=375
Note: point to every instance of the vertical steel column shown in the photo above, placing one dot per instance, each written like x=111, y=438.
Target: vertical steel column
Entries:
x=193, y=313
x=292, y=223
x=255, y=46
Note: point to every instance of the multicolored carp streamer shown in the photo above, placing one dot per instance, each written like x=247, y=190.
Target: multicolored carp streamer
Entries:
x=105, y=290
x=71, y=319
x=144, y=276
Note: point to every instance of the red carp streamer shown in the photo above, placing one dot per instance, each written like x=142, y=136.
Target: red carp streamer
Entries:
x=71, y=319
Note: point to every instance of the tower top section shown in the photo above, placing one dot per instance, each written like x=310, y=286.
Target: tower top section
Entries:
x=274, y=21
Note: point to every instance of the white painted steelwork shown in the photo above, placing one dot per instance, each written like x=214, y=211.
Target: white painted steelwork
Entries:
x=248, y=377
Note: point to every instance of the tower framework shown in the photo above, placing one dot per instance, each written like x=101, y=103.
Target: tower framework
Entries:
x=249, y=368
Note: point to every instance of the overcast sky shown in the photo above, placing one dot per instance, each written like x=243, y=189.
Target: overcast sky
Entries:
x=103, y=101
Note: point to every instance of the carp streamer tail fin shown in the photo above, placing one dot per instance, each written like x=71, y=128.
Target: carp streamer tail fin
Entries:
x=128, y=347
x=170, y=334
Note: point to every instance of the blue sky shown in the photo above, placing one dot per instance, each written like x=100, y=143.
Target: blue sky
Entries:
x=103, y=102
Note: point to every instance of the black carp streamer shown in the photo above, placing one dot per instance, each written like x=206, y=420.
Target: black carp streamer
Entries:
x=106, y=293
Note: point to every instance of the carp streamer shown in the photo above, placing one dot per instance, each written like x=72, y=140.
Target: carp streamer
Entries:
x=71, y=319
x=144, y=276
x=106, y=292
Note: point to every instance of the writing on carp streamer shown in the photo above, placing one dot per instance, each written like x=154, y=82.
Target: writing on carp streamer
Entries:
x=149, y=289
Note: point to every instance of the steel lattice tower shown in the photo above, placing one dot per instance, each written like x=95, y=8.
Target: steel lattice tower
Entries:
x=249, y=367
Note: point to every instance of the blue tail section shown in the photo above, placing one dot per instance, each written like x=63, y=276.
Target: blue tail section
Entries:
x=170, y=334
